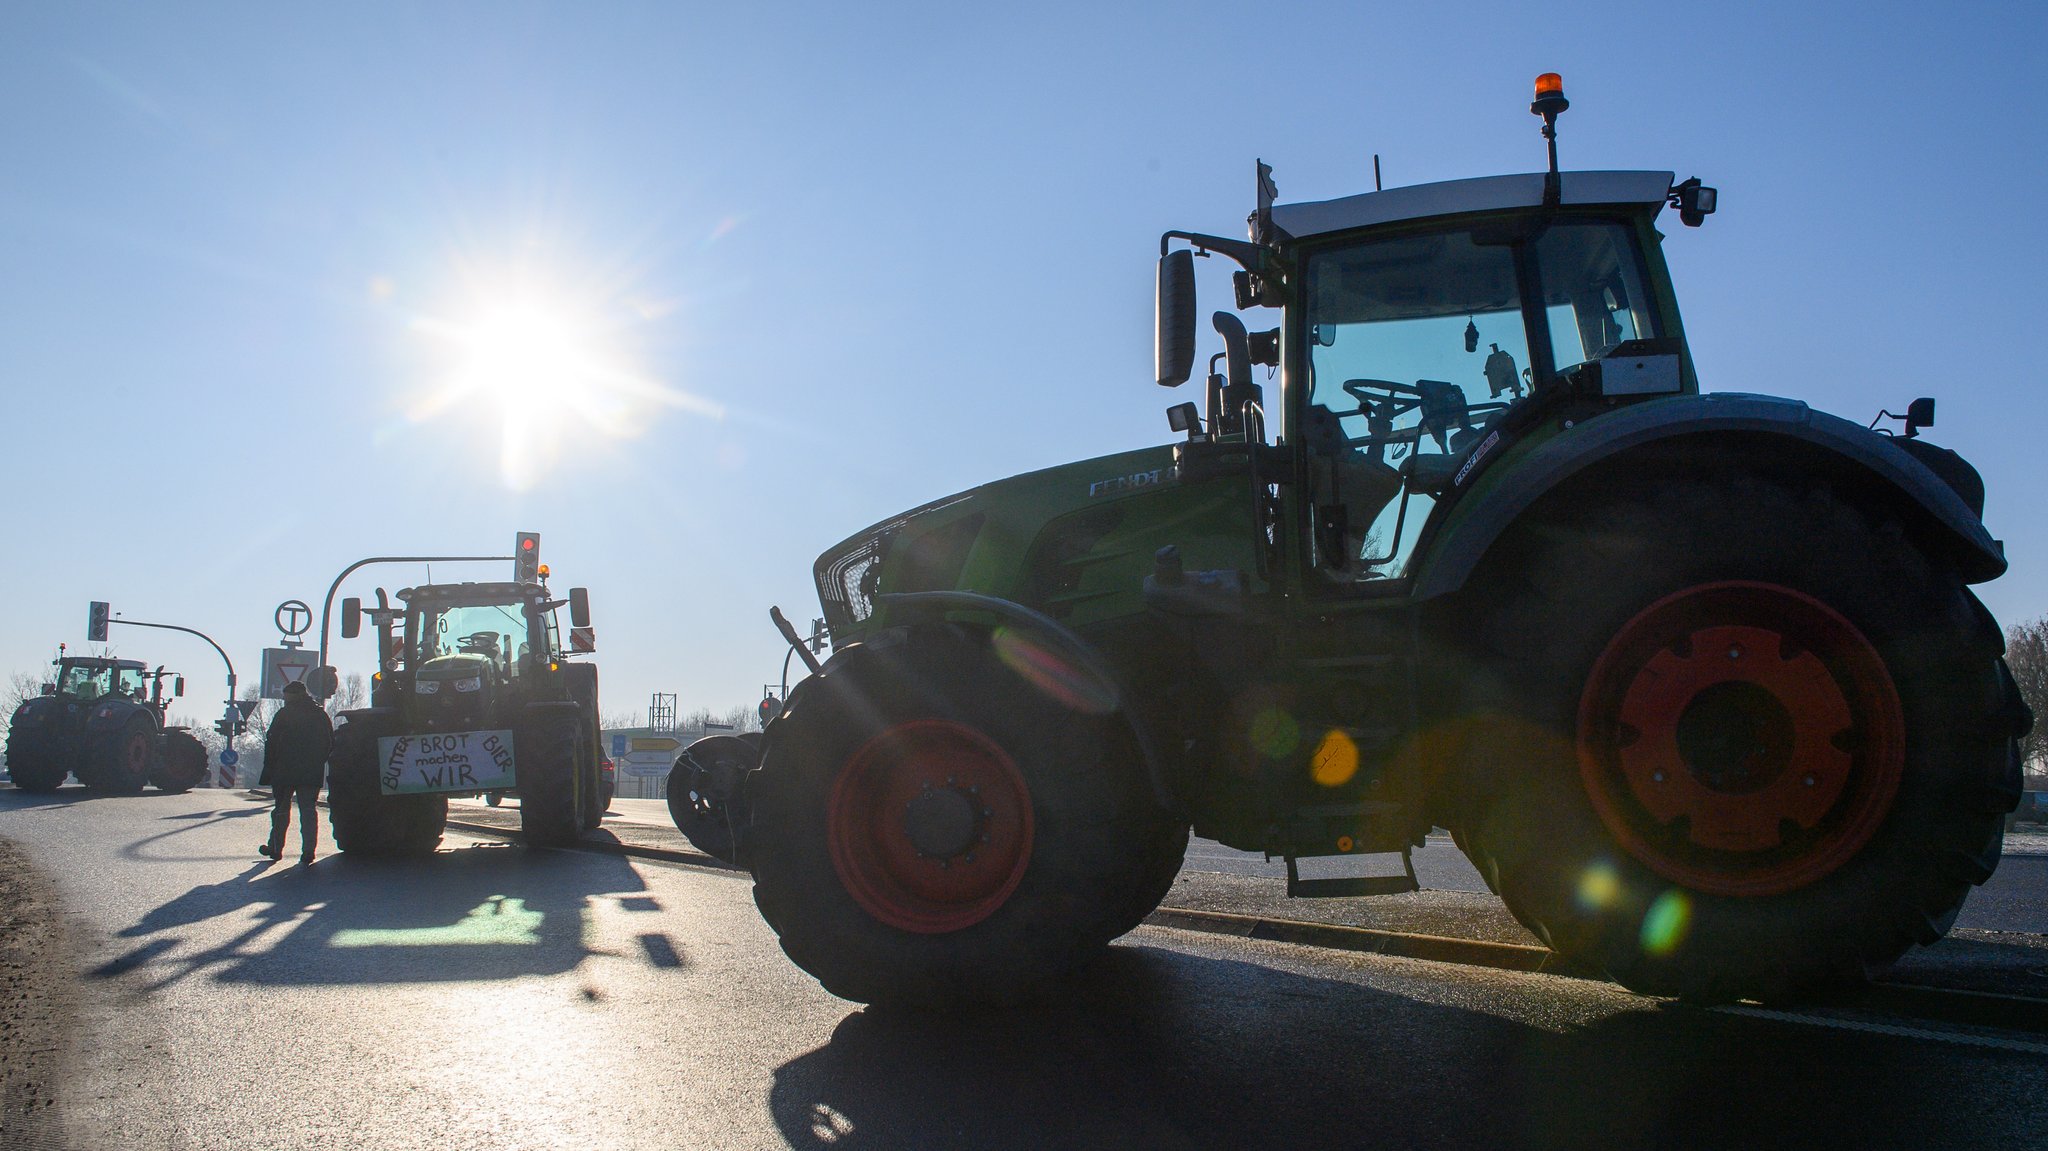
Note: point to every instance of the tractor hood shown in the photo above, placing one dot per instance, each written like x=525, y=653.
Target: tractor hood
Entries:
x=463, y=665
x=980, y=540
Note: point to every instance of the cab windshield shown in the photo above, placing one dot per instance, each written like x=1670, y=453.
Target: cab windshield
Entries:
x=86, y=683
x=496, y=631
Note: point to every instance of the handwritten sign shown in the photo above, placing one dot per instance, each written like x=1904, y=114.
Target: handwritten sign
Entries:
x=445, y=761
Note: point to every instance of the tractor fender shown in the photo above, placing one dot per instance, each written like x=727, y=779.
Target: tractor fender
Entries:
x=110, y=712
x=1060, y=640
x=1955, y=529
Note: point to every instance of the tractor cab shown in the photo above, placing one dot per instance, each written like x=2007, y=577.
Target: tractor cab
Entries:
x=1424, y=331
x=88, y=679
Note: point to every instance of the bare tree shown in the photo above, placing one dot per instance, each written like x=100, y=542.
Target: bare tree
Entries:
x=21, y=687
x=348, y=695
x=2026, y=649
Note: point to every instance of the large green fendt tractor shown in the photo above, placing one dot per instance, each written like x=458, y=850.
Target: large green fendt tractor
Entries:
x=476, y=693
x=102, y=720
x=1697, y=680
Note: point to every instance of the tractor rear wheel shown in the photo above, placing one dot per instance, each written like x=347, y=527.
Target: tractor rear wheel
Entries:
x=365, y=820
x=704, y=793
x=38, y=758
x=1740, y=740
x=928, y=827
x=548, y=750
x=183, y=763
x=119, y=754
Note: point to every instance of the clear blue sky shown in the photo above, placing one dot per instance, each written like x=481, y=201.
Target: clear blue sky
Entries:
x=825, y=263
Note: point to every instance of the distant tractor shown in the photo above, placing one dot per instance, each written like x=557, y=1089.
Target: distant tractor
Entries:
x=477, y=694
x=102, y=721
x=1697, y=680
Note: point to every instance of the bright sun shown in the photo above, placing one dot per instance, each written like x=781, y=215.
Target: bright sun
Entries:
x=555, y=377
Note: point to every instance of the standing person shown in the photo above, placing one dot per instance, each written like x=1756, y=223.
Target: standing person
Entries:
x=294, y=764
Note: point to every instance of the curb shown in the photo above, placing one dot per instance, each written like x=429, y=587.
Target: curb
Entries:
x=1405, y=945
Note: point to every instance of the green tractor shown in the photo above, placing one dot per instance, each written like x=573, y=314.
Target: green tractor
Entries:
x=102, y=720
x=477, y=693
x=1696, y=679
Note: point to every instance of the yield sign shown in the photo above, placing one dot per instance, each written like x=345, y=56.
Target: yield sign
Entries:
x=283, y=665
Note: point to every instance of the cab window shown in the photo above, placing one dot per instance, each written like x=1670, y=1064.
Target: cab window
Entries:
x=1593, y=295
x=1414, y=343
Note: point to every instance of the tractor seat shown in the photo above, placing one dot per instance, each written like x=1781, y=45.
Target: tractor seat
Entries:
x=1432, y=474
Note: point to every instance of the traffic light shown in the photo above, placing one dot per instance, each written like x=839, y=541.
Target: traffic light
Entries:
x=224, y=727
x=96, y=621
x=769, y=709
x=526, y=557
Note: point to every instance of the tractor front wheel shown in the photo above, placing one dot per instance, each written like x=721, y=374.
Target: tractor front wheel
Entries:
x=365, y=820
x=929, y=827
x=1741, y=740
x=548, y=751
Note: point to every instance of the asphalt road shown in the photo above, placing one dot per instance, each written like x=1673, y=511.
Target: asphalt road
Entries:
x=492, y=996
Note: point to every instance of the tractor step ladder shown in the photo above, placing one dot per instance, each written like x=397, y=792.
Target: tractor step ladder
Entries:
x=1299, y=888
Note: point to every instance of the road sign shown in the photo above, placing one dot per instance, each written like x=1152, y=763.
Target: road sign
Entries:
x=648, y=755
x=283, y=665
x=618, y=746
x=293, y=617
x=229, y=757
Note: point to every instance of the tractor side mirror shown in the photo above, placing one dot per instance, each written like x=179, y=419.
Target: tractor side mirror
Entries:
x=1173, y=319
x=579, y=607
x=49, y=689
x=351, y=617
x=178, y=687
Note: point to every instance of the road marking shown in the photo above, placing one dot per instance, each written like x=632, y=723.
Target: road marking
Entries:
x=1965, y=1038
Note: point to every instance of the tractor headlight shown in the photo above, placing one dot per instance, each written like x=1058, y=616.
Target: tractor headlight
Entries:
x=427, y=686
x=473, y=683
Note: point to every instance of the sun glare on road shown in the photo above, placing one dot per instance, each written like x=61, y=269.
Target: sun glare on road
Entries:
x=547, y=377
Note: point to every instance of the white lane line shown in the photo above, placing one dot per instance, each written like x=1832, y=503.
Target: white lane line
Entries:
x=1967, y=1039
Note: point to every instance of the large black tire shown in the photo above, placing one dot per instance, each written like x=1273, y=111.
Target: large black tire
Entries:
x=1064, y=857
x=364, y=820
x=181, y=766
x=120, y=750
x=1902, y=725
x=705, y=796
x=581, y=680
x=38, y=756
x=549, y=749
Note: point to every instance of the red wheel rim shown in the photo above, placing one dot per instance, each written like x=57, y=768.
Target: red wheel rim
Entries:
x=930, y=827
x=135, y=756
x=1741, y=738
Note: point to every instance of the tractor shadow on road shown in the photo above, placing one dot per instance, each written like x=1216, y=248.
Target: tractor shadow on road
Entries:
x=1160, y=1049
x=482, y=912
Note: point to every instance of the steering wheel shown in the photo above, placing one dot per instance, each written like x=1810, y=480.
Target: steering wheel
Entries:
x=482, y=642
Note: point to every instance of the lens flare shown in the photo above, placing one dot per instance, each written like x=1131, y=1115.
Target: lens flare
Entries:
x=1599, y=887
x=1664, y=927
x=1051, y=673
x=1275, y=733
x=1335, y=760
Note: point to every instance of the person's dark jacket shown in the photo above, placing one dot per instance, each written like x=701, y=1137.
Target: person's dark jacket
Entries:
x=295, y=751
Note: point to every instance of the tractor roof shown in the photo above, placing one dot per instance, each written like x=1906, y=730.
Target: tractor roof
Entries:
x=471, y=593
x=101, y=661
x=1459, y=197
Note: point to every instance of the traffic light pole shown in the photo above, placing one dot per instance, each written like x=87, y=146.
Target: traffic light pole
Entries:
x=327, y=605
x=190, y=631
